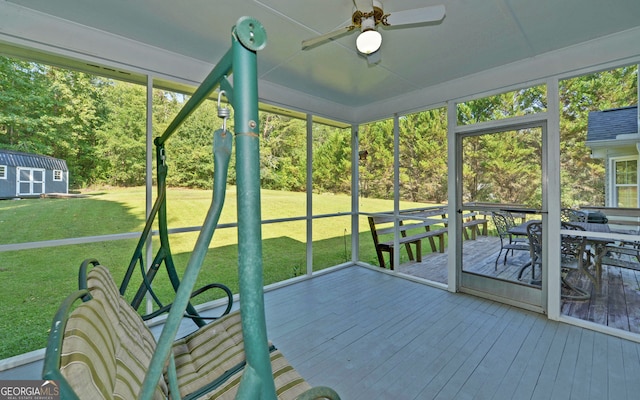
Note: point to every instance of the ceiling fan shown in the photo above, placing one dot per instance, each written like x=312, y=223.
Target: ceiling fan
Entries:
x=368, y=15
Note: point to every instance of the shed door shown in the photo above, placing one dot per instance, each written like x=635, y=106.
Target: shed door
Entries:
x=30, y=181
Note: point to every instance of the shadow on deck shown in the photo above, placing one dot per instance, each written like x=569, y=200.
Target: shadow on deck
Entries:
x=617, y=305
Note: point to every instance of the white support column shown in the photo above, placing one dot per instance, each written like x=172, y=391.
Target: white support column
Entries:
x=396, y=188
x=551, y=179
x=309, y=194
x=455, y=246
x=355, y=193
x=149, y=178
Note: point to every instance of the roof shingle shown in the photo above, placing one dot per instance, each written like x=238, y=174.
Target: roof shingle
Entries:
x=19, y=159
x=607, y=124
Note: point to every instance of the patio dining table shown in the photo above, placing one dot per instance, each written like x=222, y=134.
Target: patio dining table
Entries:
x=521, y=230
x=598, y=244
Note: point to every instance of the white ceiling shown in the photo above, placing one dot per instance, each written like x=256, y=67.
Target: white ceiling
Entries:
x=481, y=45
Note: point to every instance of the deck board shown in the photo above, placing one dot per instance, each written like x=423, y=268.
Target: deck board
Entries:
x=632, y=297
x=617, y=304
x=510, y=382
x=631, y=368
x=432, y=344
x=371, y=335
x=485, y=379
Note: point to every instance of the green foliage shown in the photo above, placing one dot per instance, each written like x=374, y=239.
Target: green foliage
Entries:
x=376, y=173
x=51, y=111
x=122, y=136
x=511, y=174
x=423, y=161
x=99, y=127
x=506, y=105
x=189, y=150
x=331, y=160
x=583, y=178
x=283, y=155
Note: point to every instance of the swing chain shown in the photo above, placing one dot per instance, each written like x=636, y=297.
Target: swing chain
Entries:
x=223, y=112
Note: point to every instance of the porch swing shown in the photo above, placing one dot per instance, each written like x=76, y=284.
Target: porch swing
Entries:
x=99, y=346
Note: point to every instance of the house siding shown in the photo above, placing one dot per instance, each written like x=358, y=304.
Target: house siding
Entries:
x=612, y=135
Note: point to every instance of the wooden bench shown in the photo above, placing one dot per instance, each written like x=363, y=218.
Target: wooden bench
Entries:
x=433, y=218
x=474, y=224
x=619, y=256
x=382, y=228
x=625, y=257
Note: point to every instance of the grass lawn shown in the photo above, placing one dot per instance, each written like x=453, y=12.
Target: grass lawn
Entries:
x=36, y=281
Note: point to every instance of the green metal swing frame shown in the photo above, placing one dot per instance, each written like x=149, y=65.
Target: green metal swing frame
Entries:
x=248, y=36
x=163, y=254
x=257, y=379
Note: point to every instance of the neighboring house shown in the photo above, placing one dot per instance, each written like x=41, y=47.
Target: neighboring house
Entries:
x=30, y=175
x=613, y=136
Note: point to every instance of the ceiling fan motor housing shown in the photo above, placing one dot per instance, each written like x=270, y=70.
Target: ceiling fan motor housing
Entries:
x=377, y=14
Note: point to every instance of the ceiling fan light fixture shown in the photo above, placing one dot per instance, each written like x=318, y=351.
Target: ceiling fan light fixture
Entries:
x=369, y=40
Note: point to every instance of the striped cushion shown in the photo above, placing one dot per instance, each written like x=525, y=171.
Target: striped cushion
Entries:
x=208, y=353
x=289, y=384
x=217, y=348
x=107, y=350
x=127, y=345
x=87, y=358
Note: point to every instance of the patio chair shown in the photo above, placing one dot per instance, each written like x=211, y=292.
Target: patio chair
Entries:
x=572, y=250
x=508, y=242
x=511, y=220
x=534, y=234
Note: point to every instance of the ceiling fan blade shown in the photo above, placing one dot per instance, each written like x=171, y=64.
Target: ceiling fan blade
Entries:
x=306, y=44
x=415, y=16
x=364, y=6
x=375, y=57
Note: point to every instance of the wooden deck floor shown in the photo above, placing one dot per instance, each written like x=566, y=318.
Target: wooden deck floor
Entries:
x=617, y=305
x=371, y=335
x=374, y=336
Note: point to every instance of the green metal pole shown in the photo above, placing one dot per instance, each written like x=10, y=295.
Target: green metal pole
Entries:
x=249, y=36
x=222, y=153
x=206, y=87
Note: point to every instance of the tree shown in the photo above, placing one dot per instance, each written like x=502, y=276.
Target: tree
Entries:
x=99, y=126
x=23, y=96
x=282, y=152
x=123, y=135
x=423, y=156
x=332, y=159
x=191, y=148
x=376, y=174
x=583, y=178
x=511, y=167
x=51, y=111
x=503, y=167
